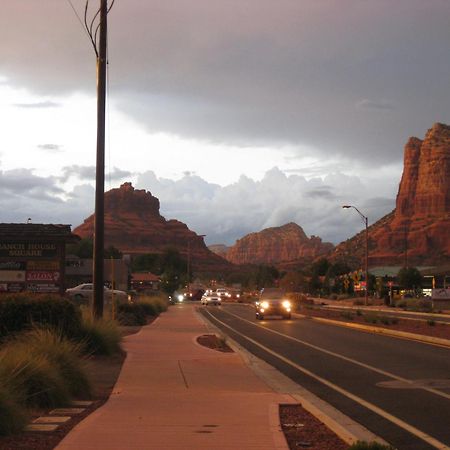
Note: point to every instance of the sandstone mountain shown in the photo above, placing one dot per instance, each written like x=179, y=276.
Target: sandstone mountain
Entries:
x=219, y=249
x=277, y=245
x=134, y=225
x=417, y=232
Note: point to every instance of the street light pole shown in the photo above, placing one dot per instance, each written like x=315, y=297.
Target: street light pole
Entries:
x=366, y=259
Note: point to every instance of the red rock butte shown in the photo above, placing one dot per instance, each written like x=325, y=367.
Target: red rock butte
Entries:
x=417, y=232
x=134, y=225
x=277, y=245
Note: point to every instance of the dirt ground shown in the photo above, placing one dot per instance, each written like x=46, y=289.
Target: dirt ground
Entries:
x=426, y=328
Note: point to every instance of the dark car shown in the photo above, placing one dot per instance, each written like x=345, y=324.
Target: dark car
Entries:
x=273, y=302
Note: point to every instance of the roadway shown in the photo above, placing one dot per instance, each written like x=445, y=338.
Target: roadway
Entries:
x=398, y=389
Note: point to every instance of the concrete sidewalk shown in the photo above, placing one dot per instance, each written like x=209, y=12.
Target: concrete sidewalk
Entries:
x=175, y=394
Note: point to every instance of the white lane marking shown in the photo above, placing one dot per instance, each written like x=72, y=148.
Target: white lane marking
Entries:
x=395, y=420
x=345, y=358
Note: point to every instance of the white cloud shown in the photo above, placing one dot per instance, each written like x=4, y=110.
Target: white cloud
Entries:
x=227, y=213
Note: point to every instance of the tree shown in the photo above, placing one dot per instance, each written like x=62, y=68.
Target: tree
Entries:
x=84, y=249
x=409, y=278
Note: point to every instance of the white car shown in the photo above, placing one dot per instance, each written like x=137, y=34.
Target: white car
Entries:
x=223, y=293
x=84, y=292
x=211, y=299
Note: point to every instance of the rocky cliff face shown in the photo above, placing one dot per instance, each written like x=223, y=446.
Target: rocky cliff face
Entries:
x=277, y=245
x=134, y=225
x=417, y=232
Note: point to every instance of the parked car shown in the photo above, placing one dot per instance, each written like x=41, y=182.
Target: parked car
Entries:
x=211, y=299
x=84, y=292
x=273, y=302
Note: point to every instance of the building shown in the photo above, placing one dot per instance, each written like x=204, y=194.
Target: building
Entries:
x=32, y=257
x=144, y=281
x=115, y=272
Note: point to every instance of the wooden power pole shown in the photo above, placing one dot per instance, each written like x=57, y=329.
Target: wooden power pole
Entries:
x=99, y=223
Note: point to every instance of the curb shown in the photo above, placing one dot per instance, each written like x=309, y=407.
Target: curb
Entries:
x=343, y=426
x=379, y=330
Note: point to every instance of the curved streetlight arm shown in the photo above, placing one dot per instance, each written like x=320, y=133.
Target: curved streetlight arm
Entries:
x=363, y=217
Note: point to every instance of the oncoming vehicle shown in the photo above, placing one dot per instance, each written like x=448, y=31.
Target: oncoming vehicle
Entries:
x=273, y=302
x=211, y=299
x=84, y=292
x=223, y=293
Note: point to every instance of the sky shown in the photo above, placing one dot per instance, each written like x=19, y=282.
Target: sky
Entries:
x=237, y=115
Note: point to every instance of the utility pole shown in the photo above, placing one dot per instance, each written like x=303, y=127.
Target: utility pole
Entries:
x=99, y=223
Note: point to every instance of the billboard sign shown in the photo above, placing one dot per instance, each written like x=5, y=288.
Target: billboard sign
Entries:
x=39, y=275
x=28, y=249
x=12, y=275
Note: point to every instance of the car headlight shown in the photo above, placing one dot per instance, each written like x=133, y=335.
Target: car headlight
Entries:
x=180, y=298
x=264, y=305
x=286, y=304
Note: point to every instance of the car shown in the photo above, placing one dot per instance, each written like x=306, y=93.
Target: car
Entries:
x=84, y=292
x=273, y=302
x=223, y=293
x=211, y=298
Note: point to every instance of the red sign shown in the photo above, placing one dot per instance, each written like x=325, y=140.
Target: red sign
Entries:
x=42, y=276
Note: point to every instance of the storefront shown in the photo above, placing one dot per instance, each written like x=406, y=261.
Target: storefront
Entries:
x=32, y=257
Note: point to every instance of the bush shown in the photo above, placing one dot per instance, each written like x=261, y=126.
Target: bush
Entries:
x=14, y=417
x=19, y=312
x=371, y=318
x=64, y=354
x=32, y=377
x=100, y=337
x=431, y=322
x=347, y=315
x=133, y=313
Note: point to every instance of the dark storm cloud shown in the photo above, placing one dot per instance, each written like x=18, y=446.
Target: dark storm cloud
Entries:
x=255, y=72
x=325, y=192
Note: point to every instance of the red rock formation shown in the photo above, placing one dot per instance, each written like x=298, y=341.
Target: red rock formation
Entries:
x=276, y=245
x=417, y=232
x=134, y=226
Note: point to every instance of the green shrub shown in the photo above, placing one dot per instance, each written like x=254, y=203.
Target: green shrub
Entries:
x=347, y=315
x=32, y=377
x=13, y=416
x=333, y=297
x=431, y=322
x=361, y=445
x=158, y=303
x=359, y=312
x=133, y=313
x=371, y=318
x=19, y=312
x=100, y=337
x=385, y=320
x=64, y=354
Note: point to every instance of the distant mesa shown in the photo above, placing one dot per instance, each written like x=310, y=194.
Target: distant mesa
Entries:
x=219, y=249
x=277, y=245
x=418, y=230
x=134, y=225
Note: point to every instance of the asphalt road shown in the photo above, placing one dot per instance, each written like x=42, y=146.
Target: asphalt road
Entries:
x=398, y=389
